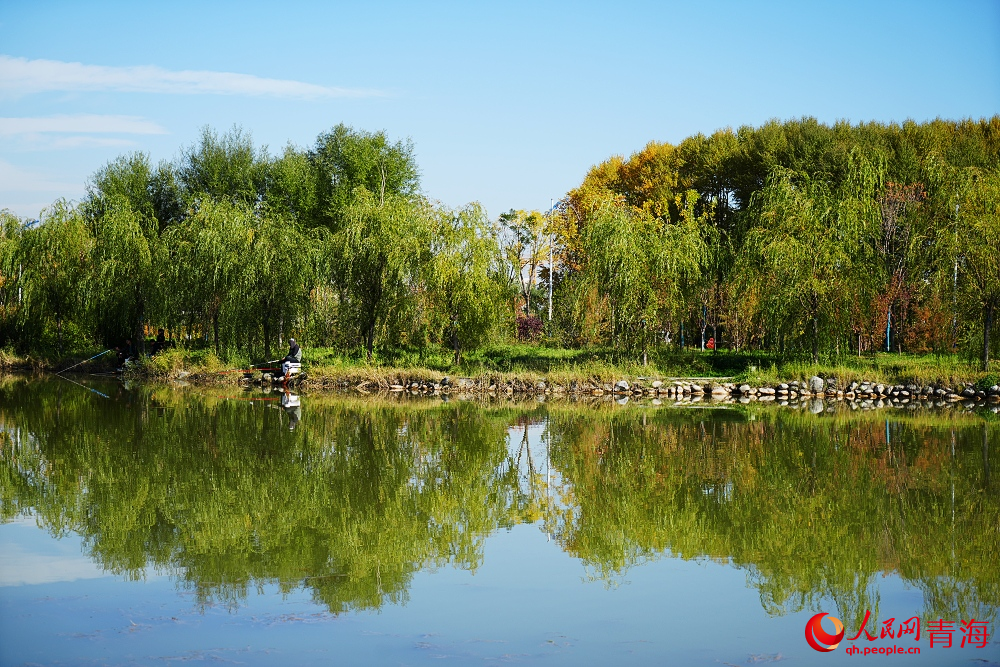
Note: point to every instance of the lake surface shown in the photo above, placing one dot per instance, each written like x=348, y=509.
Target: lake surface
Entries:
x=156, y=525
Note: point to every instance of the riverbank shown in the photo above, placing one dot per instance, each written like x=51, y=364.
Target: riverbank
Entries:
x=532, y=369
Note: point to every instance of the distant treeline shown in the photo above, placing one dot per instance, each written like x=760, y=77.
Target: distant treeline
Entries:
x=796, y=237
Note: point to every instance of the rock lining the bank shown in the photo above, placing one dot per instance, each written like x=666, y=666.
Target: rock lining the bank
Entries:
x=680, y=391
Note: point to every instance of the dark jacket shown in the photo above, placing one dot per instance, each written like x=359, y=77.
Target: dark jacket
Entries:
x=294, y=354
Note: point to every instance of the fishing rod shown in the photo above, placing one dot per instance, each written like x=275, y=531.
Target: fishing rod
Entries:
x=240, y=398
x=253, y=367
x=247, y=370
x=83, y=362
x=83, y=385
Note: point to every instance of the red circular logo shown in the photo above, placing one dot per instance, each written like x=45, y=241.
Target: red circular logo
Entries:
x=817, y=636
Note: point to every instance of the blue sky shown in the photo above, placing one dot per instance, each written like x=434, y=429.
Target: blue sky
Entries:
x=508, y=103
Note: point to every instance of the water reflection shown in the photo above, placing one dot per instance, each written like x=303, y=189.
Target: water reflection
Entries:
x=229, y=492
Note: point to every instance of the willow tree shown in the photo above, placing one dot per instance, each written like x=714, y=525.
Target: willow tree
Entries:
x=975, y=243
x=124, y=286
x=11, y=234
x=461, y=277
x=374, y=258
x=206, y=257
x=55, y=256
x=640, y=265
x=276, y=273
x=803, y=254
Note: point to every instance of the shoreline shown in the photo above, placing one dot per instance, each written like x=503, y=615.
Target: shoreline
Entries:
x=918, y=379
x=817, y=394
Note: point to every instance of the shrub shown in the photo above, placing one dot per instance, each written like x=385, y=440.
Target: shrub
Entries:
x=529, y=328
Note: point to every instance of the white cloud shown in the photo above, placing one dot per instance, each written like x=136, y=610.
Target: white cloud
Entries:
x=79, y=123
x=19, y=567
x=18, y=180
x=20, y=76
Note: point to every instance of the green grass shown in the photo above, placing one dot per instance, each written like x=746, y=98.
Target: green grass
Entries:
x=562, y=365
x=881, y=367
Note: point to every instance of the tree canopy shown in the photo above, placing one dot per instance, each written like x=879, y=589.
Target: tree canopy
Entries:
x=795, y=236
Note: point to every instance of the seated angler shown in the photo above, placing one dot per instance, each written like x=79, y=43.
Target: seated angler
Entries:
x=294, y=356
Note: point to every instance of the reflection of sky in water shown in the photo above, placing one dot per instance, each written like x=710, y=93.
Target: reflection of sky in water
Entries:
x=30, y=556
x=528, y=603
x=226, y=498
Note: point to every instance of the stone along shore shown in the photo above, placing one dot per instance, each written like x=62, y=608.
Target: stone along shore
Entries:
x=816, y=389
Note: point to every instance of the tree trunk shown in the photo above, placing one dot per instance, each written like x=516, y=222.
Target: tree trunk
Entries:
x=267, y=333
x=370, y=339
x=815, y=340
x=987, y=325
x=140, y=335
x=215, y=331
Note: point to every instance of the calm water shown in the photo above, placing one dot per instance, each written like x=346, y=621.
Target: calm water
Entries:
x=157, y=525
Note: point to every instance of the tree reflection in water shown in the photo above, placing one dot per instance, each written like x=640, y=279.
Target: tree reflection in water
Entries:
x=348, y=498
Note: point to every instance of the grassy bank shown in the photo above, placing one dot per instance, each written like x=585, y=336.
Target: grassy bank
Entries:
x=527, y=363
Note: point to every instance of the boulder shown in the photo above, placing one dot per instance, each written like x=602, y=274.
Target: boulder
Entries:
x=744, y=389
x=657, y=384
x=621, y=386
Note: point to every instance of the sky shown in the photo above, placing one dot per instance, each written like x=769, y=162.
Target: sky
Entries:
x=507, y=103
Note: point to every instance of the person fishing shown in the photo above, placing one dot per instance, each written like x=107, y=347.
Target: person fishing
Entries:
x=125, y=352
x=160, y=343
x=294, y=356
x=293, y=408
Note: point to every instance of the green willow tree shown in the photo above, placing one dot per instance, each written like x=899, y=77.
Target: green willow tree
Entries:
x=461, y=278
x=55, y=256
x=124, y=285
x=976, y=246
x=375, y=258
x=278, y=268
x=804, y=258
x=206, y=256
x=11, y=240
x=640, y=266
